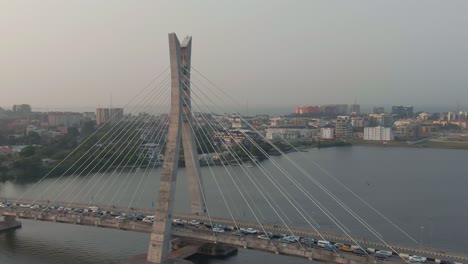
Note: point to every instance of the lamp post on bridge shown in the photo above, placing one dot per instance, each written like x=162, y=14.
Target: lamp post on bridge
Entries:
x=420, y=238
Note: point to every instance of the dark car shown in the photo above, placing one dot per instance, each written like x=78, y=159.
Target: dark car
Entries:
x=307, y=241
x=238, y=233
x=330, y=247
x=381, y=256
x=359, y=251
x=275, y=235
x=446, y=262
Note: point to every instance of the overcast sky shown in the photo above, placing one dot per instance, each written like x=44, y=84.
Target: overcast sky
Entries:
x=75, y=53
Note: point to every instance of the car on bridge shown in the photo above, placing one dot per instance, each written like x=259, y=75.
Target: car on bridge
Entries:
x=330, y=247
x=346, y=248
x=203, y=227
x=384, y=252
x=417, y=259
x=275, y=235
x=218, y=230
x=360, y=251
x=308, y=241
x=446, y=262
x=289, y=239
x=194, y=222
x=294, y=238
x=381, y=256
x=148, y=219
x=286, y=240
x=322, y=243
x=79, y=211
x=251, y=231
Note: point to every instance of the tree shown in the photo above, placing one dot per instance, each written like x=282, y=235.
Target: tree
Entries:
x=72, y=132
x=88, y=128
x=434, y=116
x=27, y=151
x=32, y=138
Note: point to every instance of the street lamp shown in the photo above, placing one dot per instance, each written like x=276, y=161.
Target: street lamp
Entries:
x=420, y=239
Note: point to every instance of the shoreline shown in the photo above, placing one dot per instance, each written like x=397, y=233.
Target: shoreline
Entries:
x=422, y=145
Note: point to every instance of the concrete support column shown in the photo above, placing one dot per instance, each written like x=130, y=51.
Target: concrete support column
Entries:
x=9, y=219
x=9, y=222
x=179, y=131
x=192, y=164
x=159, y=247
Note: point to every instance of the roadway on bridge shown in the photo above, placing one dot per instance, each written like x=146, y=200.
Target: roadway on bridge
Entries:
x=23, y=210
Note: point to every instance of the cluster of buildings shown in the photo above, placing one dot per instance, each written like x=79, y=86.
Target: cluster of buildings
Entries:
x=341, y=121
x=308, y=123
x=111, y=115
x=21, y=121
x=331, y=109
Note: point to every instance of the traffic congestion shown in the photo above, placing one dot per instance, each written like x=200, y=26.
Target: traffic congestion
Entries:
x=218, y=229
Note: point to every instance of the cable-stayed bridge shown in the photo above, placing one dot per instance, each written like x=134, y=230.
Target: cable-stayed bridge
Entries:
x=78, y=191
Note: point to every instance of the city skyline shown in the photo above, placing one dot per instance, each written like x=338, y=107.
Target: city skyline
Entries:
x=379, y=53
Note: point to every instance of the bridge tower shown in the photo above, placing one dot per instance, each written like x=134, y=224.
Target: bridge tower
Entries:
x=179, y=132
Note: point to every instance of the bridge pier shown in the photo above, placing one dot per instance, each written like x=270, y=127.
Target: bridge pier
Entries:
x=9, y=222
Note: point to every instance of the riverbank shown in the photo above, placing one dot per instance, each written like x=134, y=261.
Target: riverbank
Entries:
x=405, y=144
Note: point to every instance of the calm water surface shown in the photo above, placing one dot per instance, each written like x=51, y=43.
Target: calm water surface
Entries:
x=413, y=187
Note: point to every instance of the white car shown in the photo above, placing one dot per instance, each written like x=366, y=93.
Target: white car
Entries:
x=35, y=207
x=194, y=222
x=147, y=220
x=218, y=230
x=417, y=259
x=2, y=205
x=384, y=252
x=263, y=236
x=178, y=221
x=294, y=238
x=251, y=231
x=120, y=217
x=25, y=205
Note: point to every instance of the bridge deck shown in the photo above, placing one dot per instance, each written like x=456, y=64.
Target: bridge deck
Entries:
x=207, y=235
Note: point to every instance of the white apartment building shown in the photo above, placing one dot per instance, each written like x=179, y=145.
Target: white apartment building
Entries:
x=378, y=133
x=327, y=133
x=289, y=133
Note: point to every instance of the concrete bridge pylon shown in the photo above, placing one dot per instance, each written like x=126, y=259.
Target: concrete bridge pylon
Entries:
x=179, y=133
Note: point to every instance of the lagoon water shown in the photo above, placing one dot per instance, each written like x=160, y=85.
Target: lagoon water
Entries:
x=423, y=191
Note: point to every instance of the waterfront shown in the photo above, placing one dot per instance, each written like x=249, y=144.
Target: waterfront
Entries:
x=413, y=187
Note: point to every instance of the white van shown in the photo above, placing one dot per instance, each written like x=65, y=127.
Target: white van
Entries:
x=93, y=209
x=322, y=243
x=384, y=252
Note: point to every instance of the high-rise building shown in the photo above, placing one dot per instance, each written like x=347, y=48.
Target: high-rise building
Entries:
x=343, y=128
x=115, y=115
x=355, y=108
x=102, y=115
x=341, y=109
x=22, y=109
x=402, y=111
x=310, y=109
x=378, y=133
x=63, y=119
x=380, y=120
x=327, y=133
x=379, y=110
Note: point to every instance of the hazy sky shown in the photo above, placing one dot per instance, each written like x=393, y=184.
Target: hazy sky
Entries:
x=74, y=53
